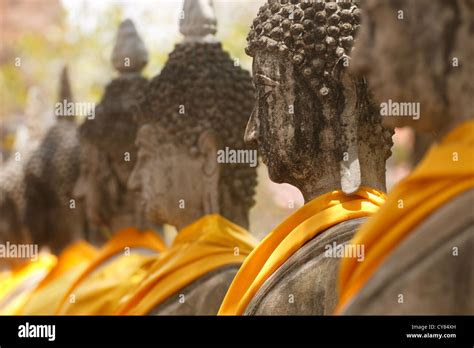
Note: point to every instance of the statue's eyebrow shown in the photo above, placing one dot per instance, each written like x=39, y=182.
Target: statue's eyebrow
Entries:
x=265, y=80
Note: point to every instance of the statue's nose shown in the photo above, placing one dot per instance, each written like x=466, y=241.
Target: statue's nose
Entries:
x=251, y=131
x=78, y=191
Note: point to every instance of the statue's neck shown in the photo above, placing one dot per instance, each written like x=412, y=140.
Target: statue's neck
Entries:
x=122, y=221
x=240, y=218
x=187, y=219
x=236, y=212
x=311, y=189
x=315, y=176
x=231, y=210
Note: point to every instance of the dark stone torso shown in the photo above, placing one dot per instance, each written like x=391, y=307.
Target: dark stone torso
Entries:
x=306, y=283
x=423, y=275
x=50, y=175
x=202, y=297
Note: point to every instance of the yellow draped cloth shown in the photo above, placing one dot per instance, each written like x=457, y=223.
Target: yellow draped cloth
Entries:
x=446, y=171
x=4, y=276
x=119, y=267
x=23, y=280
x=71, y=262
x=206, y=245
x=313, y=218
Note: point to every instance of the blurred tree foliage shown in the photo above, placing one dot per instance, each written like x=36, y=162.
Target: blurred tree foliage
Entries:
x=42, y=56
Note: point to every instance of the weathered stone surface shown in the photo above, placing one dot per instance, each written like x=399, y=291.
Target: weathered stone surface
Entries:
x=202, y=297
x=424, y=49
x=306, y=283
x=28, y=216
x=12, y=203
x=425, y=270
x=129, y=54
x=315, y=123
x=198, y=105
x=50, y=175
x=108, y=151
x=65, y=92
x=198, y=23
x=316, y=128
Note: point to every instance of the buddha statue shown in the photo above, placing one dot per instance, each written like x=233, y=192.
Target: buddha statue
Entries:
x=12, y=228
x=196, y=108
x=52, y=219
x=108, y=154
x=12, y=173
x=419, y=246
x=316, y=128
x=36, y=198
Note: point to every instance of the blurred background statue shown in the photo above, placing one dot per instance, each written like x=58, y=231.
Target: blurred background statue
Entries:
x=419, y=246
x=52, y=216
x=22, y=143
x=198, y=22
x=36, y=206
x=197, y=106
x=108, y=154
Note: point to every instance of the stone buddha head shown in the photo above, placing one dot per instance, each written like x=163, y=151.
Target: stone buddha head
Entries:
x=108, y=151
x=192, y=159
x=315, y=124
x=50, y=173
x=420, y=52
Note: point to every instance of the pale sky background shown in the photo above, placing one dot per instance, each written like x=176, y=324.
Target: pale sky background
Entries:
x=157, y=20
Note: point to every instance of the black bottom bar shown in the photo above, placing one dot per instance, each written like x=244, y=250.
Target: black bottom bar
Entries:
x=315, y=331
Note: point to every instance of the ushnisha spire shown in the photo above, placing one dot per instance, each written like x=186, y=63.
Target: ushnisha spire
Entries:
x=64, y=93
x=130, y=54
x=64, y=86
x=198, y=22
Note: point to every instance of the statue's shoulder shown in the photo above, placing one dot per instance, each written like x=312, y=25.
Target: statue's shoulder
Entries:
x=306, y=283
x=203, y=296
x=431, y=271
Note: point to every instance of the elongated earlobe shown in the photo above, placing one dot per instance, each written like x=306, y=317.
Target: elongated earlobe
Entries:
x=349, y=164
x=208, y=147
x=251, y=131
